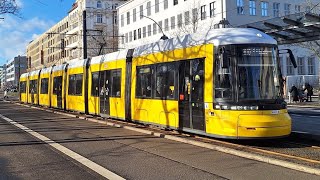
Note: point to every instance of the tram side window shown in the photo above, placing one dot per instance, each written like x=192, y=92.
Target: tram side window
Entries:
x=55, y=85
x=44, y=86
x=95, y=84
x=116, y=83
x=222, y=81
x=75, y=84
x=33, y=86
x=165, y=81
x=143, y=86
x=23, y=87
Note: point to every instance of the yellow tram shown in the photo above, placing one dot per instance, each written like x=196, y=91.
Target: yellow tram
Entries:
x=226, y=83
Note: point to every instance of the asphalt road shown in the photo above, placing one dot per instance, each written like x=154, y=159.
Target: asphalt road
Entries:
x=129, y=154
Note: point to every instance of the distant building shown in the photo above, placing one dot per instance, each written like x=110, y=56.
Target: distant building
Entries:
x=14, y=68
x=2, y=76
x=64, y=40
x=180, y=17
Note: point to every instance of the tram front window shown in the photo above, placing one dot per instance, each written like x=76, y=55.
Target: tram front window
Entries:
x=258, y=73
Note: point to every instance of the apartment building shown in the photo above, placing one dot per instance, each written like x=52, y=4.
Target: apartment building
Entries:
x=14, y=68
x=64, y=41
x=2, y=76
x=145, y=21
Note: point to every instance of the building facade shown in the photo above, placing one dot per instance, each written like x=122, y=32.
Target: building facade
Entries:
x=64, y=41
x=14, y=68
x=2, y=76
x=145, y=21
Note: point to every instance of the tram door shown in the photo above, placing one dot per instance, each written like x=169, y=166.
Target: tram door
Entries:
x=104, y=85
x=191, y=90
x=58, y=89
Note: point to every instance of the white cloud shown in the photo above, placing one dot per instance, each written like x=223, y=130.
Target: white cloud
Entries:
x=16, y=33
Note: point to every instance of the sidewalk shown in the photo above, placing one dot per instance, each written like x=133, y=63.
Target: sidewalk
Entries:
x=314, y=104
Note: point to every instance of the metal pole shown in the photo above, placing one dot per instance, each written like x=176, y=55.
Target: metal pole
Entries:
x=84, y=24
x=19, y=73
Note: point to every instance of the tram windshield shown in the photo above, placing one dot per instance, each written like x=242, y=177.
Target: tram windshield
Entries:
x=258, y=73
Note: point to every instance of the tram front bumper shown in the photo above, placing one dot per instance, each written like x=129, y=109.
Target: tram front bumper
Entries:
x=259, y=126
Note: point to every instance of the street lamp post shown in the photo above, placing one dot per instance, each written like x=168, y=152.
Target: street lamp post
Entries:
x=163, y=37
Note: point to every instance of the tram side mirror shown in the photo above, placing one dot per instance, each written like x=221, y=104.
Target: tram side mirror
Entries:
x=223, y=57
x=292, y=58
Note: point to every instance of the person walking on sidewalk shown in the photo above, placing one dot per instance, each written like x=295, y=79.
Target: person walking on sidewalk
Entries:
x=5, y=94
x=309, y=89
x=294, y=93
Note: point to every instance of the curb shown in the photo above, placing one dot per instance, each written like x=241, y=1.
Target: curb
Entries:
x=305, y=135
x=273, y=161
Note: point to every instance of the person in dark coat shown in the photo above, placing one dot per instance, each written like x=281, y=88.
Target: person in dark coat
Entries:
x=294, y=93
x=309, y=89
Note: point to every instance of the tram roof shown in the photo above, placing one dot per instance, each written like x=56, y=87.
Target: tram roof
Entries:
x=217, y=37
x=60, y=67
x=33, y=73
x=46, y=70
x=293, y=28
x=109, y=57
x=24, y=75
x=74, y=63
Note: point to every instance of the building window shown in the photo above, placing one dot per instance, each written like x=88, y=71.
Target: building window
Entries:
x=252, y=7
x=194, y=15
x=240, y=7
x=165, y=4
x=179, y=19
x=130, y=36
x=134, y=15
x=311, y=66
x=149, y=30
x=128, y=17
x=134, y=34
x=297, y=8
x=139, y=33
x=156, y=7
x=154, y=28
x=99, y=4
x=175, y=2
x=264, y=8
x=148, y=8
x=276, y=9
x=166, y=24
x=289, y=67
x=187, y=18
x=122, y=20
x=300, y=65
x=308, y=8
x=173, y=22
x=287, y=9
x=203, y=12
x=126, y=38
x=99, y=18
x=160, y=26
x=212, y=9
x=144, y=33
x=141, y=11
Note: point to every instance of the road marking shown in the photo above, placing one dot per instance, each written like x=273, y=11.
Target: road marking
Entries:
x=86, y=162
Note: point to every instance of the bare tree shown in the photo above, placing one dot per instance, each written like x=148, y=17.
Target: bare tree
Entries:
x=9, y=7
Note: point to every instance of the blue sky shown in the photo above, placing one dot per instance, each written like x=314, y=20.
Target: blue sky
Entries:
x=37, y=16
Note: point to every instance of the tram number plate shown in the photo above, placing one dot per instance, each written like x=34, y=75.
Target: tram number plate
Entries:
x=275, y=112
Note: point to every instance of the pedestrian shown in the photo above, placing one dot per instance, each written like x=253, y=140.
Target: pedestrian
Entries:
x=309, y=89
x=294, y=93
x=5, y=94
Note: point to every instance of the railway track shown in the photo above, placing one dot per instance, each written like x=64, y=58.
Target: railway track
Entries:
x=300, y=151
